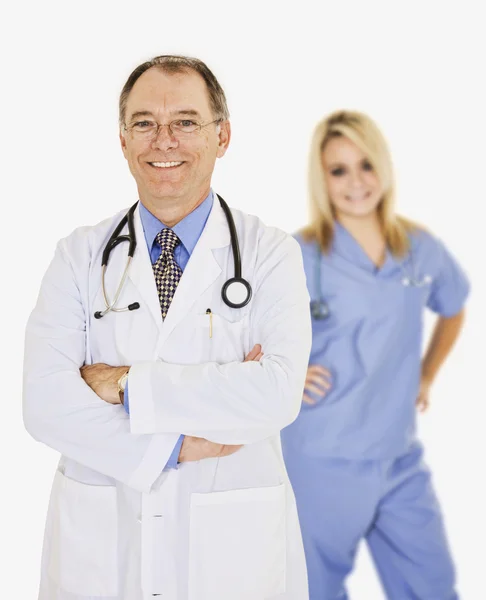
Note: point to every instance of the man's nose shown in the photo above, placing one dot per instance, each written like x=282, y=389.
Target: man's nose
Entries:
x=164, y=138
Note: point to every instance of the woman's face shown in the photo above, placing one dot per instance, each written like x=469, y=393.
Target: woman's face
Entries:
x=352, y=184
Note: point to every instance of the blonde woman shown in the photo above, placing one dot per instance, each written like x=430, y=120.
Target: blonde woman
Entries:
x=352, y=455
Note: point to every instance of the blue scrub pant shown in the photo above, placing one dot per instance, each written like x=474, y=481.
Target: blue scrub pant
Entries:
x=390, y=504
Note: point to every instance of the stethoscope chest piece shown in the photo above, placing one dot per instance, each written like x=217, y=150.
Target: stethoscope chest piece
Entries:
x=319, y=310
x=236, y=292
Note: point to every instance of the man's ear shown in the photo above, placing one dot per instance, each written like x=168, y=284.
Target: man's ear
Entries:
x=123, y=143
x=224, y=138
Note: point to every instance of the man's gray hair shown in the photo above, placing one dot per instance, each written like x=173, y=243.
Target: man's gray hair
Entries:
x=178, y=64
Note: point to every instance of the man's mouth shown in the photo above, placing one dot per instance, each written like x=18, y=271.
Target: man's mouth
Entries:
x=166, y=165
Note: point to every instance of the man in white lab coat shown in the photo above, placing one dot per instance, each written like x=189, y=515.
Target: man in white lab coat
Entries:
x=171, y=482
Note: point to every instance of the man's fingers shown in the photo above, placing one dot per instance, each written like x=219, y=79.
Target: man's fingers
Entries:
x=194, y=448
x=254, y=352
x=227, y=450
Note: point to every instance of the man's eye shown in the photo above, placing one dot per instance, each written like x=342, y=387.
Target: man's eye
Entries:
x=143, y=124
x=186, y=123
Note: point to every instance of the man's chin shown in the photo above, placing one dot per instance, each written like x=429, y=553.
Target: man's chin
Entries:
x=167, y=190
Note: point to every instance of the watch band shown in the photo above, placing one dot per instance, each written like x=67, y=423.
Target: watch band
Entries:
x=122, y=383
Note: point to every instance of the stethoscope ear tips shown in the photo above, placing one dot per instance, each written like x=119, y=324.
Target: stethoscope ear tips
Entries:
x=132, y=306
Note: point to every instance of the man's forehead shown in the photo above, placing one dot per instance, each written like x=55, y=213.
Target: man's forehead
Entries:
x=157, y=90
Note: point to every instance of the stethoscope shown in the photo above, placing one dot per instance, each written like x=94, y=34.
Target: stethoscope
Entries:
x=320, y=308
x=236, y=292
x=413, y=280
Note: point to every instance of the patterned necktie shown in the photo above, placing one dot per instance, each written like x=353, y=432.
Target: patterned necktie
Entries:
x=167, y=272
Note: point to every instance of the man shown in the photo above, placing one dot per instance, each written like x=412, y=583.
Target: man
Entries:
x=167, y=415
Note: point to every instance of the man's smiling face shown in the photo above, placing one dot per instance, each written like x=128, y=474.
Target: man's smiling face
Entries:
x=173, y=165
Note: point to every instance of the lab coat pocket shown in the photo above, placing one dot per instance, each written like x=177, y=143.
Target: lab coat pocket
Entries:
x=83, y=538
x=238, y=544
x=222, y=340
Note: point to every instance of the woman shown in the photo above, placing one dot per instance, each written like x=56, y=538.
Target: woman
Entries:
x=352, y=454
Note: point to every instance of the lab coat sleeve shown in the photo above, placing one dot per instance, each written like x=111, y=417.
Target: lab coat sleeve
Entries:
x=60, y=409
x=450, y=286
x=237, y=403
x=173, y=462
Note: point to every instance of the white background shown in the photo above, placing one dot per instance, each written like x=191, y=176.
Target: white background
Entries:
x=417, y=69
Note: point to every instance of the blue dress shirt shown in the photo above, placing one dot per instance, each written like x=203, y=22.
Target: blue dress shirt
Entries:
x=188, y=231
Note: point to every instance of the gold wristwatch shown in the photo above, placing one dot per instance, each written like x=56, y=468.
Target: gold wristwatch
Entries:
x=122, y=384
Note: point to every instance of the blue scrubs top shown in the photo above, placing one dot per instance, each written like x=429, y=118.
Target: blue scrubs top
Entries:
x=372, y=344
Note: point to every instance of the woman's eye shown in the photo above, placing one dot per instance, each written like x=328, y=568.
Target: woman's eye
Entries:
x=367, y=166
x=337, y=172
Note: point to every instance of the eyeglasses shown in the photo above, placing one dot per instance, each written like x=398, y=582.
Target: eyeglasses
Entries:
x=149, y=130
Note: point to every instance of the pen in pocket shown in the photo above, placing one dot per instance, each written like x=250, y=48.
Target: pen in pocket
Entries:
x=210, y=314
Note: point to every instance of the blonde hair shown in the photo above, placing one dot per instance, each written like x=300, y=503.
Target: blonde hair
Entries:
x=363, y=132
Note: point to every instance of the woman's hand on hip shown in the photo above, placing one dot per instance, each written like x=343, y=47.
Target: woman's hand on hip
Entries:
x=423, y=398
x=317, y=382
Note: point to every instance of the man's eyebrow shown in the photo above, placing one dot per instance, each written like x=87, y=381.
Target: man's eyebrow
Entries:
x=190, y=112
x=141, y=113
x=187, y=111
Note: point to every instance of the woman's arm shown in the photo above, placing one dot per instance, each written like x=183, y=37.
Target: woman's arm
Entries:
x=443, y=338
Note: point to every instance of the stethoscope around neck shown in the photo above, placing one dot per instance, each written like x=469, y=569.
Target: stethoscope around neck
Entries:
x=320, y=308
x=236, y=292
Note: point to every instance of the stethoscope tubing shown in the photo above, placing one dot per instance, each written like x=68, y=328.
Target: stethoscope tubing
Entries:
x=320, y=309
x=116, y=239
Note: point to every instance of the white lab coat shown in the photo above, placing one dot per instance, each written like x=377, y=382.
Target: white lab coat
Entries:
x=118, y=527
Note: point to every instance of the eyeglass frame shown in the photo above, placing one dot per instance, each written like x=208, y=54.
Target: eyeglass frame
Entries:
x=159, y=125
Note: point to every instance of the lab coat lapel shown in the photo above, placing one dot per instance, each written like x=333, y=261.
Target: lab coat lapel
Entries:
x=201, y=270
x=141, y=273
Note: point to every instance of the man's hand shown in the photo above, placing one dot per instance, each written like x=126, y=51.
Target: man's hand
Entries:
x=103, y=380
x=194, y=448
x=254, y=354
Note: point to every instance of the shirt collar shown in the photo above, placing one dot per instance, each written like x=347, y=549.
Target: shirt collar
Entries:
x=346, y=246
x=188, y=230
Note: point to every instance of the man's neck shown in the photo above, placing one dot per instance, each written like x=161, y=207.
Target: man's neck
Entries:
x=171, y=210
